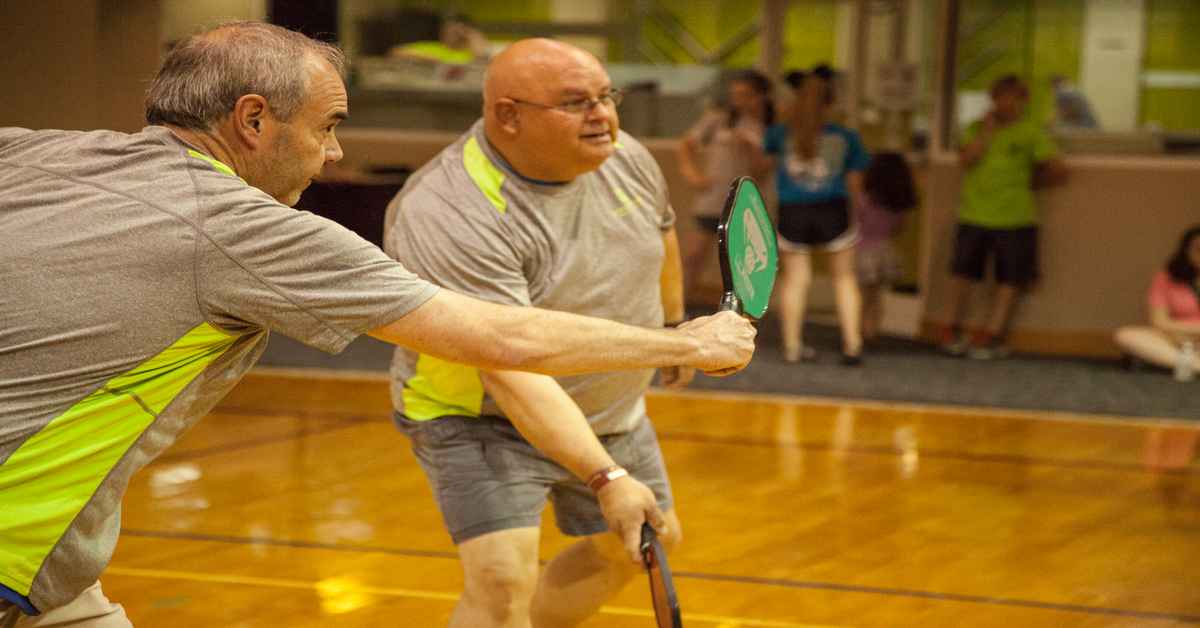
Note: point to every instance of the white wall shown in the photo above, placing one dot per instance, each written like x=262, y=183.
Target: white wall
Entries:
x=1114, y=33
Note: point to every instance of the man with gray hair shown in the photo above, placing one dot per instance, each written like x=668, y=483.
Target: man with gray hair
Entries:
x=142, y=274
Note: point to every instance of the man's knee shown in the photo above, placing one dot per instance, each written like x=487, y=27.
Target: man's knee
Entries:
x=502, y=584
x=505, y=583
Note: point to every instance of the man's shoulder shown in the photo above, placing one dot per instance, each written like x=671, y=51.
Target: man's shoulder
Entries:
x=630, y=146
x=10, y=134
x=448, y=182
x=144, y=165
x=28, y=145
x=631, y=154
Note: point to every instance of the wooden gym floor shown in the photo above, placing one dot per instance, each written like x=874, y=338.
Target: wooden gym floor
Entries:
x=297, y=503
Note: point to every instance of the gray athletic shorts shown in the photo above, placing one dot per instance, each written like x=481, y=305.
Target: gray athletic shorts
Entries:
x=486, y=477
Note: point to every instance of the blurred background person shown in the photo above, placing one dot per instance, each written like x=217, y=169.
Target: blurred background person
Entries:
x=1174, y=304
x=459, y=43
x=889, y=195
x=1071, y=107
x=997, y=216
x=818, y=177
x=718, y=149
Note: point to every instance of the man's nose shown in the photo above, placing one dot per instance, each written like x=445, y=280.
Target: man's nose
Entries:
x=333, y=152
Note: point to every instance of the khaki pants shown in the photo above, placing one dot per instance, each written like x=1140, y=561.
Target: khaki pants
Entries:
x=90, y=610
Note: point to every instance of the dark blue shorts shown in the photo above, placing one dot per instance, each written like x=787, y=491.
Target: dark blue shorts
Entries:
x=1014, y=254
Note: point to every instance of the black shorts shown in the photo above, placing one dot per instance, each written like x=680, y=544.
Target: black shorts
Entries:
x=820, y=225
x=1015, y=252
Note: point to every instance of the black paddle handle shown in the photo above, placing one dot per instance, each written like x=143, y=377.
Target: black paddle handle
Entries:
x=729, y=301
x=648, y=537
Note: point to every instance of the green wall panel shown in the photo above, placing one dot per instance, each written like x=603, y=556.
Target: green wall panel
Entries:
x=1172, y=44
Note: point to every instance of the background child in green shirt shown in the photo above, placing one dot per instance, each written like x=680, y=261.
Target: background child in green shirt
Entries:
x=998, y=216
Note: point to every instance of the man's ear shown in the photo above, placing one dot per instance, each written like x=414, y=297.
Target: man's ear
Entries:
x=506, y=114
x=250, y=116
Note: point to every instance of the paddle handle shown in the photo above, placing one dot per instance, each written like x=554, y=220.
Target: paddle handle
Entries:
x=648, y=537
x=729, y=301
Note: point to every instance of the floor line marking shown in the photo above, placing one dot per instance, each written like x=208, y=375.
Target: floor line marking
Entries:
x=442, y=596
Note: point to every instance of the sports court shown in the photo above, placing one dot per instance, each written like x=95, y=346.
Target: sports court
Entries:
x=296, y=504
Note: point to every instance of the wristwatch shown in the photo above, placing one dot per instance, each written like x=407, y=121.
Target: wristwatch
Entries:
x=602, y=477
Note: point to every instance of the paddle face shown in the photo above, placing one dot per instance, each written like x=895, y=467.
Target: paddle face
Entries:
x=662, y=588
x=746, y=246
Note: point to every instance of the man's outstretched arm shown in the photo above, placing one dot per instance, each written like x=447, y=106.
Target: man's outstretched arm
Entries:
x=499, y=337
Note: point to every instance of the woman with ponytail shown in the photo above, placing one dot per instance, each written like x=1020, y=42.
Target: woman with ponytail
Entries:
x=819, y=177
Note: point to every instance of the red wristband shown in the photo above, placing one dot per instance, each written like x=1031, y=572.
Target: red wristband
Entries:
x=602, y=477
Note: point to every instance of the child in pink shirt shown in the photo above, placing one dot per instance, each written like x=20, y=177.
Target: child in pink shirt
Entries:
x=889, y=194
x=1174, y=302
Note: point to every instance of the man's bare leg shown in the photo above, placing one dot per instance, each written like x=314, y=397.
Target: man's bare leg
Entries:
x=586, y=575
x=500, y=572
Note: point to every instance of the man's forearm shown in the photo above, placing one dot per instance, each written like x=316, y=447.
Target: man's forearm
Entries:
x=469, y=331
x=549, y=419
x=559, y=343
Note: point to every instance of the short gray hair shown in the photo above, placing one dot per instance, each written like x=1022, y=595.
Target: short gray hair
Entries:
x=204, y=75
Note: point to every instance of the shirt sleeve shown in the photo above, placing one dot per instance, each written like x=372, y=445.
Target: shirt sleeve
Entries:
x=857, y=158
x=264, y=265
x=650, y=173
x=662, y=200
x=445, y=240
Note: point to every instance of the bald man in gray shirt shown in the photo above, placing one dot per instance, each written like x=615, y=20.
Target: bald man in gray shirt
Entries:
x=543, y=203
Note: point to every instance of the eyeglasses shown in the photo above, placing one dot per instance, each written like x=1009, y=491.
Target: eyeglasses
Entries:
x=583, y=105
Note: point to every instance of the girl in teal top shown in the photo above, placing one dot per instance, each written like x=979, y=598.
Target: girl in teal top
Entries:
x=818, y=176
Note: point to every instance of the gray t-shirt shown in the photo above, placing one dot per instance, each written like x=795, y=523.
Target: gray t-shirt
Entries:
x=138, y=281
x=593, y=246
